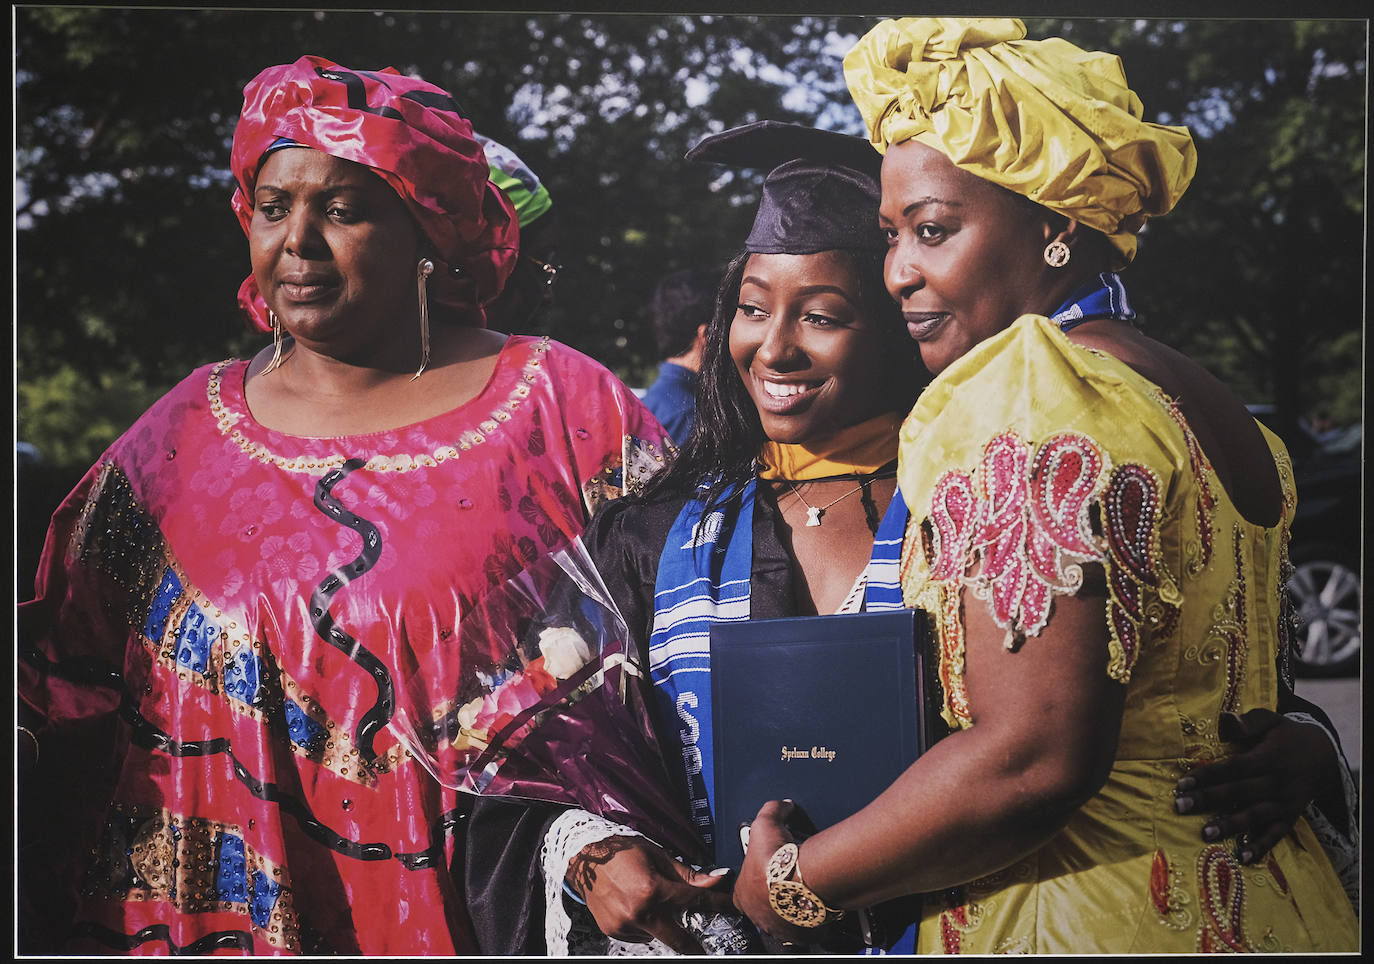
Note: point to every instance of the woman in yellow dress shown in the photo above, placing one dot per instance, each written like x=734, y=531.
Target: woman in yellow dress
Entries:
x=1101, y=539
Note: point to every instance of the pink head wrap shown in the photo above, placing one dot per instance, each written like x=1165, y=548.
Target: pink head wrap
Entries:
x=409, y=133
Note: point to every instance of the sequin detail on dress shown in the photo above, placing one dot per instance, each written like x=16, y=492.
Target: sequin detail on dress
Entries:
x=228, y=419
x=1222, y=887
x=196, y=865
x=1027, y=519
x=1027, y=514
x=1140, y=588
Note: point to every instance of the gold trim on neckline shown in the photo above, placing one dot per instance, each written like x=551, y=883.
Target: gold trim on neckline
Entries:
x=227, y=422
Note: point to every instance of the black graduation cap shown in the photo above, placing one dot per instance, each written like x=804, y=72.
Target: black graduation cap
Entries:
x=821, y=192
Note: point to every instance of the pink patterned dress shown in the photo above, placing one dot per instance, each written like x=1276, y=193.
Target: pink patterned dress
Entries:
x=227, y=614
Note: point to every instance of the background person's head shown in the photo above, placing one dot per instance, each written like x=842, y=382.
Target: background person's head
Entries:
x=531, y=285
x=1016, y=145
x=405, y=134
x=682, y=305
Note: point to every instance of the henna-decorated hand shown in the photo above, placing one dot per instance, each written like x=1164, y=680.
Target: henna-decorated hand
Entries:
x=636, y=891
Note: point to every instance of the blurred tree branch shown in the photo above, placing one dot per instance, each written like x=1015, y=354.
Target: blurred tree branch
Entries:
x=128, y=257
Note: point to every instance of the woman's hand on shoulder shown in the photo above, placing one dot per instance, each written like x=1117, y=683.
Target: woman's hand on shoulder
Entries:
x=1258, y=794
x=636, y=891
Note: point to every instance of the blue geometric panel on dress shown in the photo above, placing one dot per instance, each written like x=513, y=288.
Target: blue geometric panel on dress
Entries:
x=231, y=875
x=265, y=891
x=197, y=635
x=304, y=732
x=164, y=597
x=243, y=675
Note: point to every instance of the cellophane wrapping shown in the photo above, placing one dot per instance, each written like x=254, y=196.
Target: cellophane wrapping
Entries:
x=543, y=700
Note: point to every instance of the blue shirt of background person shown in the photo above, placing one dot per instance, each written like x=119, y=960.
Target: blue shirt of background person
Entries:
x=682, y=306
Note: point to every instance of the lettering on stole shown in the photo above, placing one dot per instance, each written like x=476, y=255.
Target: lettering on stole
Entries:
x=791, y=753
x=689, y=730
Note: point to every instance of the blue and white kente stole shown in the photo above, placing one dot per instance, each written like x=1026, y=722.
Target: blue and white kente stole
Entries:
x=1103, y=297
x=884, y=587
x=703, y=576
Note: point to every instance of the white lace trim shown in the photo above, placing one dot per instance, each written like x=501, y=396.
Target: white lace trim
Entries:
x=1343, y=849
x=564, y=839
x=854, y=602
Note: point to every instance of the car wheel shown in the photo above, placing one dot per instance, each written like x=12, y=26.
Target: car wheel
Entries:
x=1325, y=595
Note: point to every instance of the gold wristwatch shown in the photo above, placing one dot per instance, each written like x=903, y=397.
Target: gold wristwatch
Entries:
x=790, y=898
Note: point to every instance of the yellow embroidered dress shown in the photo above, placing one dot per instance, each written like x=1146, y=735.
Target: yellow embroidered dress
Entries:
x=1037, y=455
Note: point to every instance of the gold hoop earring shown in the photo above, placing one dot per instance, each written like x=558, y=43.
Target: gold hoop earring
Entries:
x=275, y=363
x=1057, y=254
x=424, y=270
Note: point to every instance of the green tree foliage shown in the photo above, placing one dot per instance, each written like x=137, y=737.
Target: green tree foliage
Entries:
x=129, y=257
x=1259, y=271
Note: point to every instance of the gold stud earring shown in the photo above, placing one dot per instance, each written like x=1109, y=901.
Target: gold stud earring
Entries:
x=424, y=270
x=1057, y=254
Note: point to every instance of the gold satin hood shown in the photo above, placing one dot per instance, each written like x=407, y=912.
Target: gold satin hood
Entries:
x=1042, y=118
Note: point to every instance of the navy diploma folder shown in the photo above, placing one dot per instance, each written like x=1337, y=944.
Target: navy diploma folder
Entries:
x=824, y=710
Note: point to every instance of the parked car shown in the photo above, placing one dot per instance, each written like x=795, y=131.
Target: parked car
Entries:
x=1326, y=587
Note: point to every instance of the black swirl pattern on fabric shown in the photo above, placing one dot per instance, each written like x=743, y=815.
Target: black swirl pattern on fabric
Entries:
x=149, y=737
x=381, y=711
x=217, y=941
x=439, y=831
x=116, y=530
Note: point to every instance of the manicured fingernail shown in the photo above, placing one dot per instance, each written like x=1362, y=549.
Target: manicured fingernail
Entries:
x=1211, y=832
x=718, y=872
x=786, y=799
x=1184, y=784
x=1184, y=804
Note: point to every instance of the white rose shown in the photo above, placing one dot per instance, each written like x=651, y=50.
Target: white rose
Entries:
x=467, y=715
x=564, y=651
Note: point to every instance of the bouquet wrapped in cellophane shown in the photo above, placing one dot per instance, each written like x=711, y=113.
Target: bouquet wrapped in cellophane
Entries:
x=540, y=697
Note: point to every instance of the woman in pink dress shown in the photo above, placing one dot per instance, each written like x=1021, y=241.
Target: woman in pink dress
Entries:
x=231, y=598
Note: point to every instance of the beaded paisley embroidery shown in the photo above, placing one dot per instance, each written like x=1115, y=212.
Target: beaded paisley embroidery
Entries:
x=1222, y=887
x=1127, y=873
x=1199, y=554
x=1025, y=513
x=1141, y=590
x=1026, y=517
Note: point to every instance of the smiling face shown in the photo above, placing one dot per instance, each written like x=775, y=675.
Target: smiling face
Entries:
x=810, y=358
x=334, y=253
x=965, y=257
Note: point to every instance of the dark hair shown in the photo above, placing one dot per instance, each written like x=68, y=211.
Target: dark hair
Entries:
x=528, y=290
x=682, y=302
x=727, y=435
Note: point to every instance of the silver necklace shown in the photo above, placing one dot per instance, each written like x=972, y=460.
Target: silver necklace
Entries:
x=814, y=512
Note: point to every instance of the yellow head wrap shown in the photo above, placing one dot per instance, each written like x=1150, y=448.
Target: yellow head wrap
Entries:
x=1039, y=117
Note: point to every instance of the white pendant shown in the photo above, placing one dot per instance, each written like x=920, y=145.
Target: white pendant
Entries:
x=813, y=516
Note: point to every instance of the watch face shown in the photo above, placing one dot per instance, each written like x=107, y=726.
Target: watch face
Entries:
x=795, y=904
